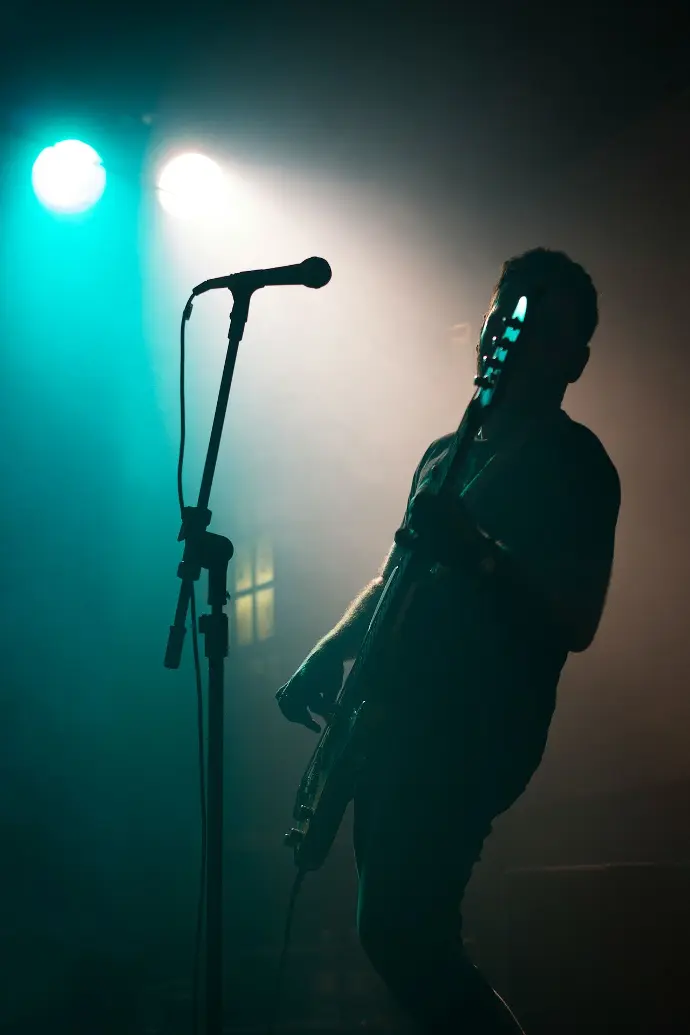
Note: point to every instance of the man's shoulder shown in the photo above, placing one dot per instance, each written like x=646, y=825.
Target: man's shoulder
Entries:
x=429, y=459
x=583, y=450
x=582, y=439
x=438, y=447
x=571, y=436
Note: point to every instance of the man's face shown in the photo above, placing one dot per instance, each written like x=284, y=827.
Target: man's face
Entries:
x=544, y=346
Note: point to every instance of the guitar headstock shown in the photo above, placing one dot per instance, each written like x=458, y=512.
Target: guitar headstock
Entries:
x=497, y=341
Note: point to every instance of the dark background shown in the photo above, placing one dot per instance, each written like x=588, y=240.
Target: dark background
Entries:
x=416, y=147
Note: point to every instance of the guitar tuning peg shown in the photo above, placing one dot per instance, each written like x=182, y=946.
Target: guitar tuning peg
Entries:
x=293, y=838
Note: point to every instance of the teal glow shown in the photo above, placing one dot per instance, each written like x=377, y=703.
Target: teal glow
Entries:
x=512, y=333
x=520, y=311
x=68, y=177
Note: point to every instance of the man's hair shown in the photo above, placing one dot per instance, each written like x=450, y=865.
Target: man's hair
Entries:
x=542, y=266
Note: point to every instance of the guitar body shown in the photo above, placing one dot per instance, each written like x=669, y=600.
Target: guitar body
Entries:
x=330, y=779
x=359, y=715
x=328, y=786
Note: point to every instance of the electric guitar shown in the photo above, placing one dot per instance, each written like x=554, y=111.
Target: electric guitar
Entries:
x=330, y=779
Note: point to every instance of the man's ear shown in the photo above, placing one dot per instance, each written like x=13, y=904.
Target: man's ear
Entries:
x=578, y=362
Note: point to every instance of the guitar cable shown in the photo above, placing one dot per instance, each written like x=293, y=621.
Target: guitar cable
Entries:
x=280, y=975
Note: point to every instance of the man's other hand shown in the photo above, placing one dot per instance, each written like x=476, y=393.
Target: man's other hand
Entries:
x=314, y=687
x=445, y=527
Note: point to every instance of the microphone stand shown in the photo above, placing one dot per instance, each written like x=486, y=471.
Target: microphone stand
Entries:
x=204, y=549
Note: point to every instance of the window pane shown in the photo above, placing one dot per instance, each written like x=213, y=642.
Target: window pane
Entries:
x=244, y=620
x=243, y=569
x=264, y=562
x=265, y=617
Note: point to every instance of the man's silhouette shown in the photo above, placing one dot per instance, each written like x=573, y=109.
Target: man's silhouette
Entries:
x=524, y=556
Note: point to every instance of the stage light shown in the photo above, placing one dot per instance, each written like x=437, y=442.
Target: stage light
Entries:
x=68, y=177
x=193, y=186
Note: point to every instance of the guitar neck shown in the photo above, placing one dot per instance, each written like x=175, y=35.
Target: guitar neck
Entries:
x=412, y=565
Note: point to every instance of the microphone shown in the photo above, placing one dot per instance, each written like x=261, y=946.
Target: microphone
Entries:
x=313, y=273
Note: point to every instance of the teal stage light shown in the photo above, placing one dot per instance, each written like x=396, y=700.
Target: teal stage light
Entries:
x=68, y=177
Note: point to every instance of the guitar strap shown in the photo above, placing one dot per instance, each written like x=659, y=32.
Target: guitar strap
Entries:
x=498, y=460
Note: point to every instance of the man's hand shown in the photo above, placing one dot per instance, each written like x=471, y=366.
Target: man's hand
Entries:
x=314, y=686
x=446, y=529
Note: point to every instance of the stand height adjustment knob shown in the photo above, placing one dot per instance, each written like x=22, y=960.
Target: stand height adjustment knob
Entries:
x=293, y=838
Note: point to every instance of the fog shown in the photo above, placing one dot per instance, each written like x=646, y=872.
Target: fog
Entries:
x=337, y=392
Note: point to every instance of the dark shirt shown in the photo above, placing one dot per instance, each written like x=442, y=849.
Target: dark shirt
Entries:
x=491, y=662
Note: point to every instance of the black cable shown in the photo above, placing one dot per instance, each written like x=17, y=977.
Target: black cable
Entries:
x=196, y=980
x=275, y=1005
x=186, y=313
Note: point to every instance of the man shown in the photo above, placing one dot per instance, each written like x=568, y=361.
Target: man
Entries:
x=524, y=551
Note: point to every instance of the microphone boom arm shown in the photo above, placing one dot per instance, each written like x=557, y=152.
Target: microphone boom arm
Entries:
x=314, y=273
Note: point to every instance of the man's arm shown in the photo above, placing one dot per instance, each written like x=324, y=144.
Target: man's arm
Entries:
x=564, y=564
x=551, y=548
x=316, y=682
x=573, y=610
x=346, y=637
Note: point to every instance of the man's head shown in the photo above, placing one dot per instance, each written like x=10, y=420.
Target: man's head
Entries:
x=562, y=316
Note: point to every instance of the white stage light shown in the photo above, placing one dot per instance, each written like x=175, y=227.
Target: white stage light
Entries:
x=193, y=187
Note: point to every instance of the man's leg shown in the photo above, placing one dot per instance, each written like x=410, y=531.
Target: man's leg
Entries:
x=417, y=837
